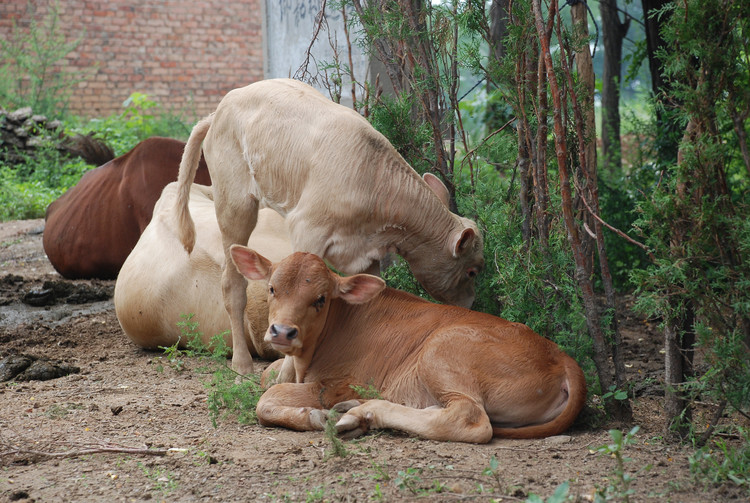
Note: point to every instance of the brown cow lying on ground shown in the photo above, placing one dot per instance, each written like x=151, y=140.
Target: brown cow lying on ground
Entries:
x=443, y=372
x=159, y=282
x=90, y=230
x=346, y=193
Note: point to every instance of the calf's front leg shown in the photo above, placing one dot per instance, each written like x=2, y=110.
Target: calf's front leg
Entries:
x=306, y=413
x=460, y=420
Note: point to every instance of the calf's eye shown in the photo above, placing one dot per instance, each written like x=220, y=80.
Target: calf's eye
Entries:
x=270, y=290
x=319, y=303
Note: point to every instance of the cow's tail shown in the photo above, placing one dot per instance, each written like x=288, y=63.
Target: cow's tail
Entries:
x=188, y=166
x=575, y=384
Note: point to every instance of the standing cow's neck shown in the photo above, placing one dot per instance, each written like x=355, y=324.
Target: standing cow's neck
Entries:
x=412, y=214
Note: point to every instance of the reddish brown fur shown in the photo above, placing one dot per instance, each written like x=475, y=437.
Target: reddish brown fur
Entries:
x=91, y=229
x=443, y=372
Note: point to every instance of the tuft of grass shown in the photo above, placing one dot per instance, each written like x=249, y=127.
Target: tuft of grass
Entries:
x=369, y=392
x=229, y=393
x=721, y=463
x=619, y=482
x=337, y=446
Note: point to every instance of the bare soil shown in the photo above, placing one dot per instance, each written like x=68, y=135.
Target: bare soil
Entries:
x=121, y=426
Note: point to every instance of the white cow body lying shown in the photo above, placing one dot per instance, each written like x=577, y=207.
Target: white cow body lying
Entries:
x=159, y=281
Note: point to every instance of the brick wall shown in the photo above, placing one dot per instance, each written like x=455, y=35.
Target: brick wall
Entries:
x=184, y=54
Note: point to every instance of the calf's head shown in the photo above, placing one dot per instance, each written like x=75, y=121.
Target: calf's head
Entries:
x=450, y=275
x=300, y=291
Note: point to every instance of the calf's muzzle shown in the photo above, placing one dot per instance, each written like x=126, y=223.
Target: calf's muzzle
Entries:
x=285, y=331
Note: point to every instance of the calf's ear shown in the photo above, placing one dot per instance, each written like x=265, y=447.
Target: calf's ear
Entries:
x=438, y=188
x=359, y=288
x=462, y=241
x=250, y=263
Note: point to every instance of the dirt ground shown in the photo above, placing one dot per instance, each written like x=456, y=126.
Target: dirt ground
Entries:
x=120, y=426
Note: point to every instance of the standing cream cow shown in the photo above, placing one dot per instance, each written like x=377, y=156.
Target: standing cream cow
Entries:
x=346, y=193
x=159, y=282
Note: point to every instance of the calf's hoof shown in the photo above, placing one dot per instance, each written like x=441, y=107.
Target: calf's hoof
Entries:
x=343, y=407
x=351, y=426
x=318, y=418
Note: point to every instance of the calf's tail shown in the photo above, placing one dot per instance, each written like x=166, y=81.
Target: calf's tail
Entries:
x=575, y=386
x=188, y=166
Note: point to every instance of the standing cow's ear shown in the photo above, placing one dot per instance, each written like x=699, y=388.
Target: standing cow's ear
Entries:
x=250, y=263
x=438, y=188
x=359, y=288
x=462, y=241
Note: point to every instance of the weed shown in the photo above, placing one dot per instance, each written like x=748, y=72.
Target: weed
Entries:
x=59, y=411
x=316, y=494
x=615, y=393
x=619, y=483
x=228, y=392
x=338, y=447
x=164, y=482
x=369, y=392
x=30, y=75
x=377, y=493
x=561, y=495
x=380, y=472
x=409, y=480
x=493, y=470
x=232, y=394
x=721, y=463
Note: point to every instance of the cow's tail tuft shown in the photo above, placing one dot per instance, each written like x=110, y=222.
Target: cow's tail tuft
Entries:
x=188, y=167
x=576, y=387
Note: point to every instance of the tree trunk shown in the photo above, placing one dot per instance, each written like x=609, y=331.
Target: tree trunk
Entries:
x=498, y=27
x=668, y=129
x=585, y=283
x=613, y=33
x=678, y=346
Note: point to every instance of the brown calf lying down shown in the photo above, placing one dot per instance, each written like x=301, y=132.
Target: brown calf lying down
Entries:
x=346, y=193
x=90, y=230
x=159, y=281
x=443, y=372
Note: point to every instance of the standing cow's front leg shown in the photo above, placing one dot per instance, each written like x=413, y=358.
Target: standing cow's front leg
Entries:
x=237, y=219
x=461, y=420
x=293, y=406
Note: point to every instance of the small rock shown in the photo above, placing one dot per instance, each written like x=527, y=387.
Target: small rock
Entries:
x=21, y=114
x=558, y=439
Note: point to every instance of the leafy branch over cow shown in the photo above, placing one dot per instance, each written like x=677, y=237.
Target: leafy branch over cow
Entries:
x=345, y=192
x=444, y=372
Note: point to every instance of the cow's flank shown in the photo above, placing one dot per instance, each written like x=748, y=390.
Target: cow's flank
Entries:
x=443, y=372
x=346, y=193
x=90, y=230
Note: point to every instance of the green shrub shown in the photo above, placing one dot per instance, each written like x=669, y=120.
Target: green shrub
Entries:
x=141, y=118
x=30, y=185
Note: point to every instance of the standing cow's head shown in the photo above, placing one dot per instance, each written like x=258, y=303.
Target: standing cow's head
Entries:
x=300, y=291
x=448, y=265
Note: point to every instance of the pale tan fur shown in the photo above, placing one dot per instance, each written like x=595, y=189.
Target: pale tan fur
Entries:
x=442, y=372
x=346, y=193
x=159, y=281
